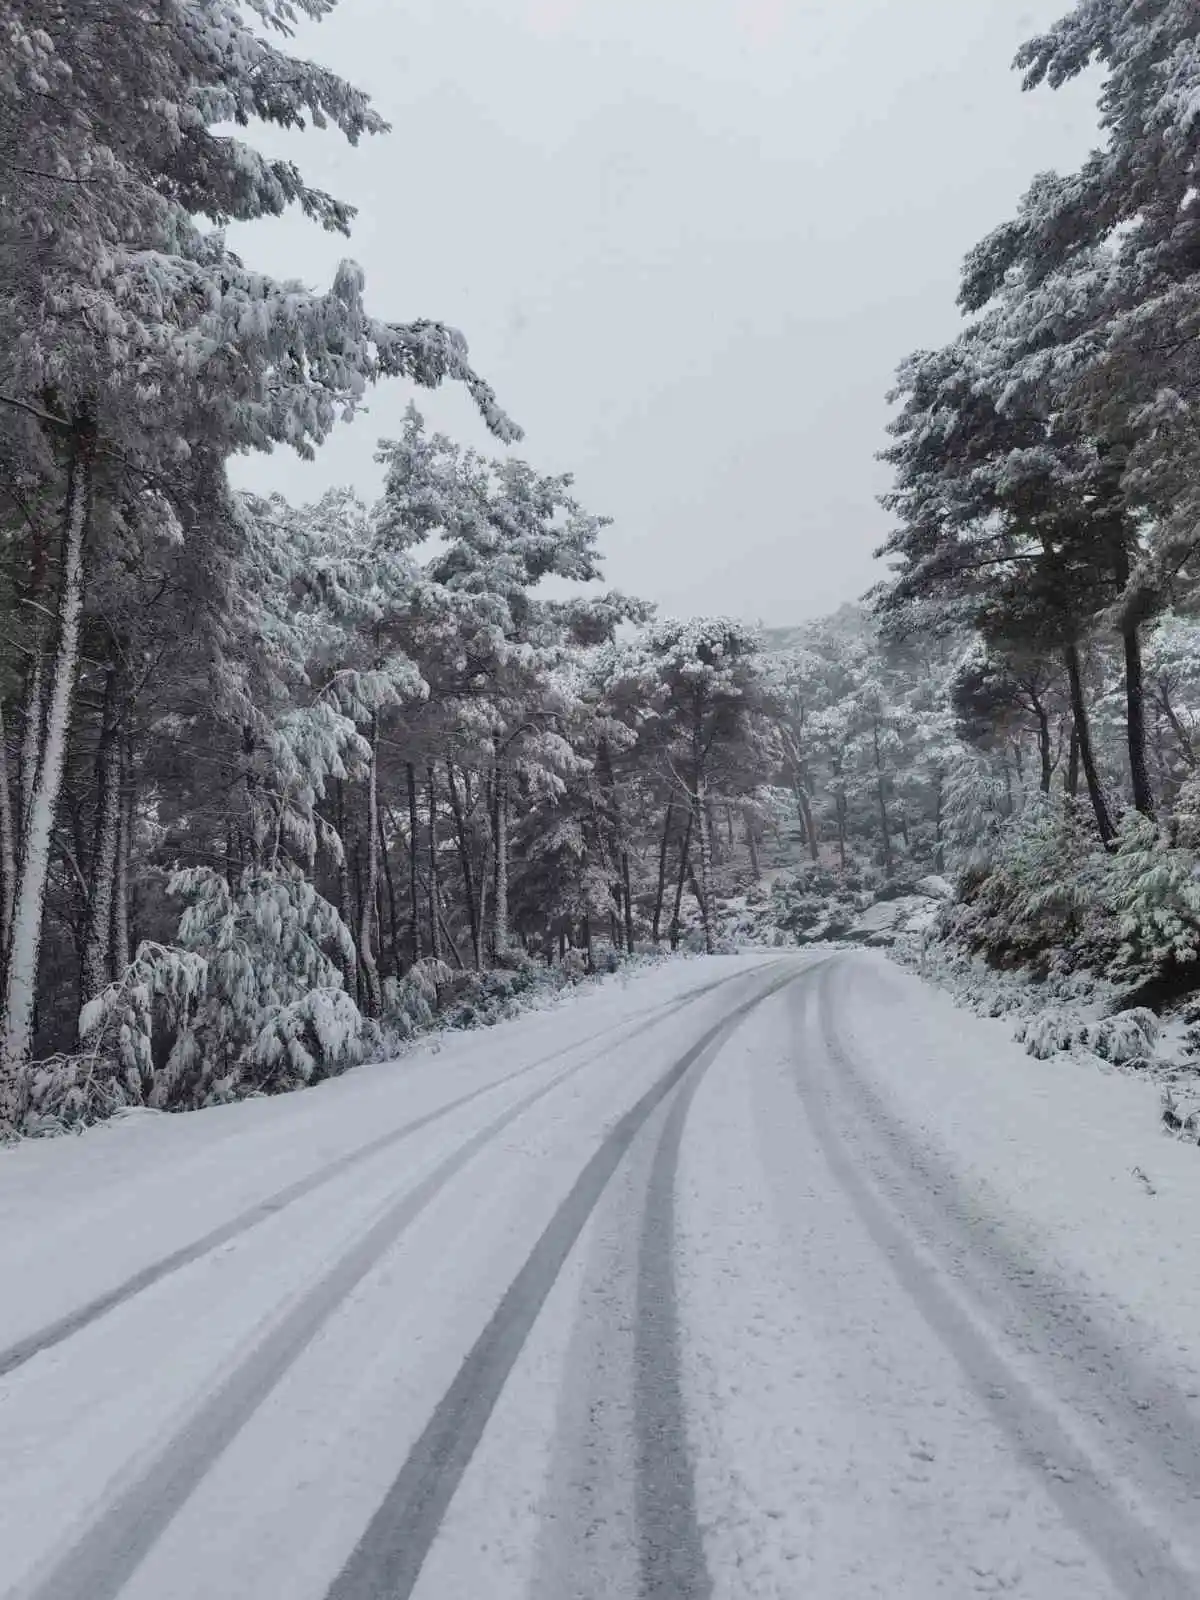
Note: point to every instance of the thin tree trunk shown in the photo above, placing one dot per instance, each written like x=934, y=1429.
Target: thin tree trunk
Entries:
x=889, y=865
x=810, y=827
x=1045, y=752
x=372, y=989
x=390, y=881
x=840, y=803
x=1135, y=688
x=705, y=841
x=97, y=971
x=33, y=720
x=939, y=854
x=1083, y=735
x=20, y=991
x=119, y=927
x=751, y=841
x=352, y=974
x=435, y=883
x=684, y=854
x=1071, y=782
x=413, y=871
x=661, y=889
x=1135, y=721
x=1182, y=737
x=500, y=934
x=627, y=891
x=464, y=859
x=8, y=847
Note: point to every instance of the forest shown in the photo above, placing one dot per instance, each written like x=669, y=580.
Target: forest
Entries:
x=280, y=783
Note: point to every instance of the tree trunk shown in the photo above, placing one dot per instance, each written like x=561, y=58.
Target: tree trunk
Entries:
x=684, y=854
x=435, y=882
x=8, y=847
x=500, y=887
x=119, y=927
x=1083, y=736
x=1071, y=781
x=32, y=732
x=661, y=889
x=810, y=827
x=889, y=865
x=751, y=840
x=627, y=891
x=352, y=974
x=705, y=841
x=1135, y=687
x=464, y=858
x=1045, y=752
x=372, y=989
x=413, y=868
x=939, y=854
x=20, y=990
x=390, y=881
x=1135, y=722
x=97, y=971
x=840, y=803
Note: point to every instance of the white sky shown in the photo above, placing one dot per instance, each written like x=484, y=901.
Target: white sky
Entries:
x=688, y=242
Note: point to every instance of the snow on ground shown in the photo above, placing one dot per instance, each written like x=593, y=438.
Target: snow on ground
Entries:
x=1054, y=1146
x=230, y=1428
x=873, y=1304
x=842, y=1453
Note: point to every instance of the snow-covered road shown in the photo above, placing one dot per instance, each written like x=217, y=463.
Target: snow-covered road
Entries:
x=764, y=1277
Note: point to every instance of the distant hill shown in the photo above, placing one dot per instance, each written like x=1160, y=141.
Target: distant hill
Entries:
x=850, y=619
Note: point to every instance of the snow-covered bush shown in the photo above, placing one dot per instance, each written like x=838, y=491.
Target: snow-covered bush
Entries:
x=115, y=1065
x=1127, y=1039
x=275, y=952
x=1153, y=890
x=483, y=998
x=814, y=903
x=1037, y=900
x=410, y=1003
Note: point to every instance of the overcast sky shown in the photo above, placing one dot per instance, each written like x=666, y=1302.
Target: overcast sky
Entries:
x=688, y=242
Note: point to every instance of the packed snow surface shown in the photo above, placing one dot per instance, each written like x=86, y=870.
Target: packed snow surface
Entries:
x=761, y=1276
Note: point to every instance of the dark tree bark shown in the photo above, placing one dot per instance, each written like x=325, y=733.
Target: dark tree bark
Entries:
x=97, y=971
x=661, y=887
x=1135, y=721
x=1083, y=735
x=464, y=859
x=435, y=884
x=1045, y=748
x=119, y=928
x=371, y=986
x=414, y=887
x=889, y=865
x=390, y=881
x=684, y=858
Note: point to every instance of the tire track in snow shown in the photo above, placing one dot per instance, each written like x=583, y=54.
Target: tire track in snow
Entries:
x=388, y=1558
x=1138, y=1561
x=73, y=1322
x=105, y=1556
x=670, y=1546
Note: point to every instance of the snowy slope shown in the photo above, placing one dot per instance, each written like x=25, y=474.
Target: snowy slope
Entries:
x=754, y=1277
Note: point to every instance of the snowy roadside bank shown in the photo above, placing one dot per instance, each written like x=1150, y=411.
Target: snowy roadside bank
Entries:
x=1074, y=1158
x=1081, y=1017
